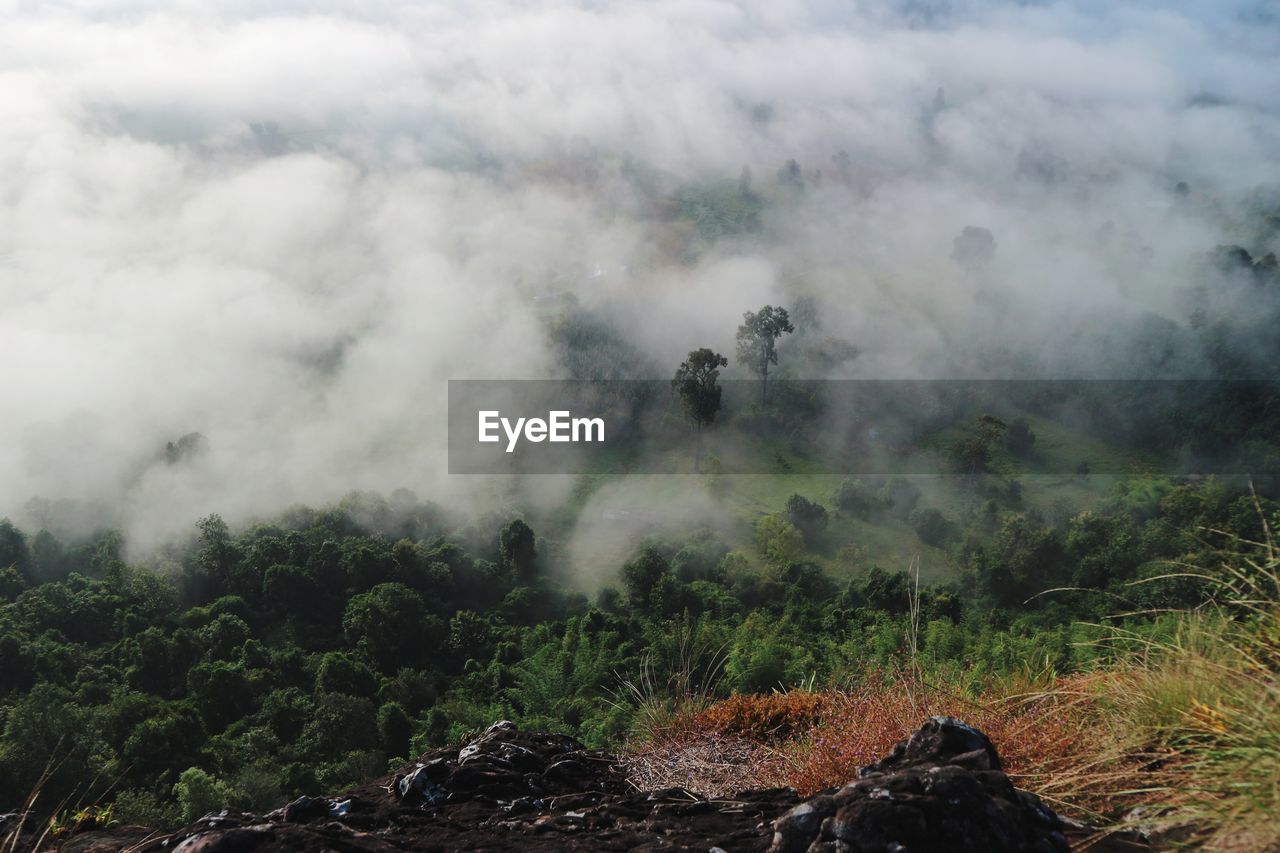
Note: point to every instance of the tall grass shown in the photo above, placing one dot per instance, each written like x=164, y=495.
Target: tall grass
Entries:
x=681, y=678
x=1208, y=698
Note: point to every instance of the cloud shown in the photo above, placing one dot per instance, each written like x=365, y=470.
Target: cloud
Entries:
x=285, y=228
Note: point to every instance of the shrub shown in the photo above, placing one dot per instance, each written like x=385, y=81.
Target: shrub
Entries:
x=778, y=541
x=342, y=672
x=808, y=517
x=853, y=497
x=199, y=793
x=931, y=526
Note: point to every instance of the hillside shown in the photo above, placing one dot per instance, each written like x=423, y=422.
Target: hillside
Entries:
x=303, y=656
x=804, y=427
x=940, y=790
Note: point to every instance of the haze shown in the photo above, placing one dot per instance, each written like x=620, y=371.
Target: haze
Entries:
x=285, y=231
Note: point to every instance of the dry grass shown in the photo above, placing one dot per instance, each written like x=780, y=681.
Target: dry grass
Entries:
x=707, y=764
x=1052, y=738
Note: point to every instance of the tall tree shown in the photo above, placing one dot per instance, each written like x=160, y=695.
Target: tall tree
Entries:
x=695, y=382
x=517, y=546
x=757, y=341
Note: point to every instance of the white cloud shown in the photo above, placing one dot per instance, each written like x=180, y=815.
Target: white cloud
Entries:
x=275, y=226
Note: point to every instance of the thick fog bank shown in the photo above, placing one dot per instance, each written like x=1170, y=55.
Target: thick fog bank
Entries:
x=285, y=230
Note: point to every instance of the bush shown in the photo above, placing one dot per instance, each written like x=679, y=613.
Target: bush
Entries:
x=394, y=729
x=766, y=716
x=931, y=526
x=809, y=518
x=778, y=541
x=199, y=793
x=341, y=672
x=853, y=497
x=142, y=808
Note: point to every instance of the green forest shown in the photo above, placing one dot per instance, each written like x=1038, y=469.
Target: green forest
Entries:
x=254, y=670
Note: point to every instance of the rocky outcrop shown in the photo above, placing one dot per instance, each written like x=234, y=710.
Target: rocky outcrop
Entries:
x=506, y=789
x=941, y=790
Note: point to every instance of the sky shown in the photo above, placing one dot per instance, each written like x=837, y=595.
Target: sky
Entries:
x=285, y=226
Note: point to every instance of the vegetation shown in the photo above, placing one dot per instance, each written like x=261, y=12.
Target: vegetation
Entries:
x=1173, y=725
x=305, y=654
x=696, y=383
x=757, y=342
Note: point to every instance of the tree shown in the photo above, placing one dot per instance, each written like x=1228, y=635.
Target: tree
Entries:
x=1019, y=439
x=11, y=583
x=695, y=382
x=343, y=672
x=216, y=553
x=199, y=793
x=778, y=541
x=223, y=637
x=171, y=737
x=1025, y=557
x=809, y=518
x=972, y=453
x=641, y=574
x=391, y=625
x=221, y=692
x=394, y=729
x=13, y=547
x=294, y=592
x=855, y=498
x=790, y=175
x=518, y=549
x=757, y=341
x=930, y=525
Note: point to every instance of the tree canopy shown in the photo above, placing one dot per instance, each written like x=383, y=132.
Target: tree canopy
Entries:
x=757, y=342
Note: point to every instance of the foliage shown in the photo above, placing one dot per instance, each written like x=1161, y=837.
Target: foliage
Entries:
x=778, y=541
x=808, y=517
x=695, y=383
x=757, y=341
x=199, y=793
x=517, y=547
x=291, y=657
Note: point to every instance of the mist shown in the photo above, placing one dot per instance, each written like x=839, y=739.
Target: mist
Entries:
x=286, y=231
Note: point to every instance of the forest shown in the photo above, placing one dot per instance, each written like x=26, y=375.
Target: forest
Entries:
x=250, y=673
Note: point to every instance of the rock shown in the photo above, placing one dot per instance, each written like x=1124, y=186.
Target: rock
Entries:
x=794, y=831
x=421, y=786
x=940, y=790
x=941, y=740
x=302, y=810
x=228, y=841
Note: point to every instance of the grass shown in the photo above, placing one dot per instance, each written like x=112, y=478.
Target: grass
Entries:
x=818, y=740
x=1210, y=696
x=1178, y=736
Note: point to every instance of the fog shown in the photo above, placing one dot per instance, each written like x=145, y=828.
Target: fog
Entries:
x=286, y=230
